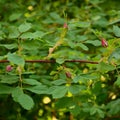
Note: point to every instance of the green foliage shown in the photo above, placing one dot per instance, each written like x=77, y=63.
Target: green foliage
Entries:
x=16, y=59
x=23, y=99
x=82, y=82
x=116, y=31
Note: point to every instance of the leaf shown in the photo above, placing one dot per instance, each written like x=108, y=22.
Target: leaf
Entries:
x=102, y=22
x=16, y=93
x=60, y=60
x=113, y=107
x=59, y=82
x=31, y=82
x=23, y=99
x=39, y=34
x=115, y=54
x=83, y=78
x=101, y=113
x=9, y=46
x=84, y=47
x=27, y=35
x=16, y=59
x=104, y=67
x=76, y=110
x=2, y=34
x=117, y=82
x=14, y=16
x=94, y=42
x=83, y=24
x=4, y=89
x=9, y=79
x=1, y=57
x=26, y=101
x=39, y=89
x=64, y=102
x=31, y=45
x=24, y=27
x=13, y=32
x=93, y=110
x=75, y=89
x=116, y=31
x=59, y=91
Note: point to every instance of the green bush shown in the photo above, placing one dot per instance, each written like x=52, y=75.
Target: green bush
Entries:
x=59, y=60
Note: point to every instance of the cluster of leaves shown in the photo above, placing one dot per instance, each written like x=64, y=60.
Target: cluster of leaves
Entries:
x=59, y=31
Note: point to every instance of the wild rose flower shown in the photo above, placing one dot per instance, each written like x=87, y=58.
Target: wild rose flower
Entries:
x=9, y=68
x=65, y=26
x=104, y=42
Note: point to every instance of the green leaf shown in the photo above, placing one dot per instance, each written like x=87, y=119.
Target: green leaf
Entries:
x=27, y=35
x=84, y=47
x=102, y=22
x=83, y=78
x=75, y=89
x=116, y=31
x=104, y=67
x=26, y=101
x=31, y=45
x=113, y=108
x=101, y=113
x=76, y=110
x=13, y=32
x=64, y=102
x=1, y=57
x=16, y=93
x=33, y=35
x=39, y=89
x=39, y=34
x=9, y=46
x=117, y=82
x=94, y=42
x=82, y=24
x=23, y=99
x=59, y=82
x=16, y=59
x=93, y=110
x=4, y=89
x=59, y=91
x=60, y=60
x=115, y=54
x=14, y=16
x=9, y=79
x=24, y=27
x=31, y=82
x=2, y=34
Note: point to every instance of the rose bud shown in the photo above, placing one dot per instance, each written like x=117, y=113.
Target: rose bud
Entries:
x=104, y=42
x=9, y=68
x=65, y=26
x=68, y=74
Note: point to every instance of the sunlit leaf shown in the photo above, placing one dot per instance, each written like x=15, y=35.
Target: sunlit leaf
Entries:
x=116, y=31
x=16, y=59
x=24, y=27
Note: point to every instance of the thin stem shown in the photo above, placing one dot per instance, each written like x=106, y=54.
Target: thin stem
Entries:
x=53, y=61
x=20, y=78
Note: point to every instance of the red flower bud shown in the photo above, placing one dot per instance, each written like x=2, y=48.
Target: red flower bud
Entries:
x=68, y=74
x=9, y=68
x=104, y=42
x=65, y=26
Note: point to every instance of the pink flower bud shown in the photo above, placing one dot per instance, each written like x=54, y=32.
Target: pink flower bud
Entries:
x=68, y=74
x=104, y=42
x=65, y=26
x=9, y=68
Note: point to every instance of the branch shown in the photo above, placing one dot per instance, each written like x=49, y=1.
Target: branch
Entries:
x=53, y=61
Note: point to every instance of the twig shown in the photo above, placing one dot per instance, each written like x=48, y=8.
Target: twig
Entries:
x=53, y=61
